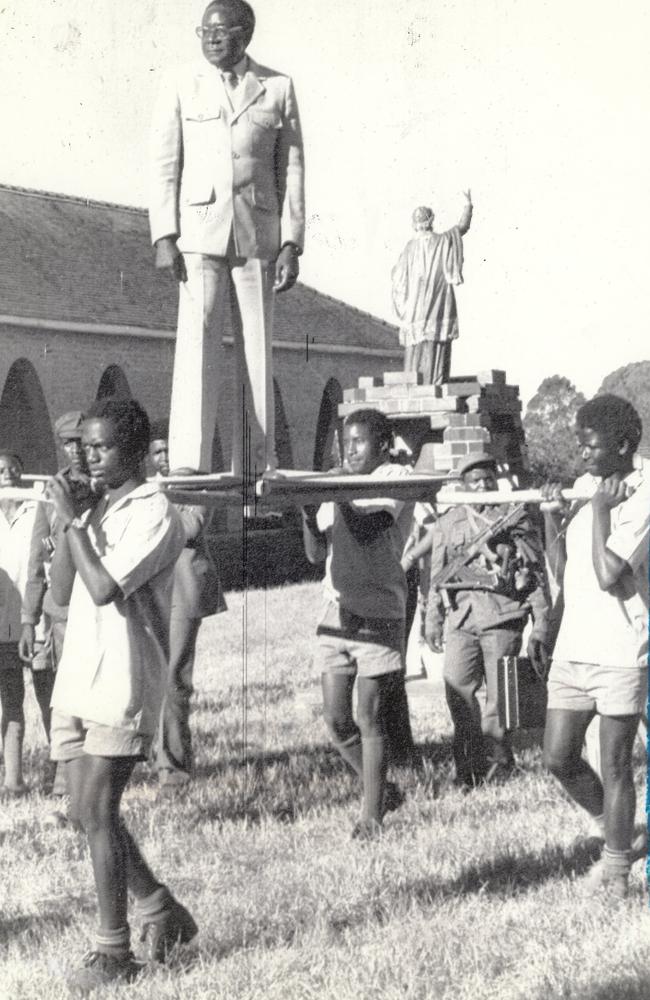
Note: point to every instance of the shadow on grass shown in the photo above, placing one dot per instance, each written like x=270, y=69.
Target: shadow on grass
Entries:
x=38, y=923
x=616, y=989
x=508, y=875
x=255, y=785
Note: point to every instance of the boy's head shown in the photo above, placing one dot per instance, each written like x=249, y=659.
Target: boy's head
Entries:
x=367, y=437
x=159, y=447
x=11, y=468
x=115, y=438
x=609, y=431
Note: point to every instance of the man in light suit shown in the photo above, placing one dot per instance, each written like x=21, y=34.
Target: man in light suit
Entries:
x=227, y=220
x=196, y=594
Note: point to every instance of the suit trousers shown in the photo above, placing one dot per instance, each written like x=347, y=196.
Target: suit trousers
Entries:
x=216, y=287
x=470, y=657
x=174, y=740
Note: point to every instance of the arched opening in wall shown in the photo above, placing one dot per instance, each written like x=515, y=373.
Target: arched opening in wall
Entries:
x=114, y=383
x=283, y=447
x=25, y=425
x=328, y=428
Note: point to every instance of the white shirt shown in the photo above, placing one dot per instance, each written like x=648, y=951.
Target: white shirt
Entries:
x=368, y=580
x=114, y=662
x=598, y=626
x=22, y=576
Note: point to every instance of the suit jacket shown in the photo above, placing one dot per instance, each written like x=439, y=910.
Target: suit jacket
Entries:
x=215, y=171
x=197, y=587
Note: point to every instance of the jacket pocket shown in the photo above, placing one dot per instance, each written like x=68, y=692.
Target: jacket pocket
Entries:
x=264, y=199
x=265, y=119
x=197, y=117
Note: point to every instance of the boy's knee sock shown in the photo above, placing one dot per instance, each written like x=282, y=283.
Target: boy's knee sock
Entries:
x=150, y=907
x=13, y=754
x=616, y=864
x=350, y=751
x=113, y=941
x=374, y=777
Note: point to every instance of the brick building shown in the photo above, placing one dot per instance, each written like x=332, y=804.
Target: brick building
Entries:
x=83, y=313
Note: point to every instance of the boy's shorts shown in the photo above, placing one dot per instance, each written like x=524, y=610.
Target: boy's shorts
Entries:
x=589, y=687
x=72, y=737
x=350, y=645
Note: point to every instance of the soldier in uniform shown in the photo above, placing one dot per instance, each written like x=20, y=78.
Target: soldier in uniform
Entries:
x=487, y=578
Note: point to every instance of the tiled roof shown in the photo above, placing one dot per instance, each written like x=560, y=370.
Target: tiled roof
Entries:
x=66, y=258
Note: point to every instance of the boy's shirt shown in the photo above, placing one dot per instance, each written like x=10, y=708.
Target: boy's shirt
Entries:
x=22, y=574
x=114, y=658
x=368, y=580
x=598, y=626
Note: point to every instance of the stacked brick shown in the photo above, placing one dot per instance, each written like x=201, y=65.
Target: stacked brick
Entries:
x=444, y=424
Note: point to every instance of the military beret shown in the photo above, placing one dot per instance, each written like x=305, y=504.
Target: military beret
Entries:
x=68, y=426
x=471, y=461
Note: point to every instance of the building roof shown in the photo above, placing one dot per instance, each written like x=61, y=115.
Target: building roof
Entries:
x=86, y=261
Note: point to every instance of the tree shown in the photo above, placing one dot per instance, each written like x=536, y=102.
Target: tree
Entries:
x=549, y=424
x=632, y=382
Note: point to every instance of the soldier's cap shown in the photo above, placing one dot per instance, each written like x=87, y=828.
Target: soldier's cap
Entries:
x=479, y=458
x=68, y=426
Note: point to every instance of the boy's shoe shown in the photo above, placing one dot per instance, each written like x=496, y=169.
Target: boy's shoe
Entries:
x=99, y=969
x=393, y=798
x=162, y=934
x=367, y=829
x=597, y=881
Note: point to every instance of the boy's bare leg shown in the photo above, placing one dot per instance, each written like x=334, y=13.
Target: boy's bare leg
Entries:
x=12, y=696
x=617, y=735
x=563, y=740
x=96, y=788
x=370, y=713
x=337, y=710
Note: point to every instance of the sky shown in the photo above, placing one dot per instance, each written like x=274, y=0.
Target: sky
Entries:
x=539, y=106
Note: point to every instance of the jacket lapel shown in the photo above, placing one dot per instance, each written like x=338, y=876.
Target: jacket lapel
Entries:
x=249, y=90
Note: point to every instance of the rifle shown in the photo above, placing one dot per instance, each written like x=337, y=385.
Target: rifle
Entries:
x=455, y=576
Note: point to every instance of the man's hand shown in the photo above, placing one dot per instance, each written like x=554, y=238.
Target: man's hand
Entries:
x=610, y=493
x=60, y=492
x=26, y=643
x=468, y=196
x=167, y=257
x=539, y=656
x=433, y=636
x=552, y=500
x=286, y=268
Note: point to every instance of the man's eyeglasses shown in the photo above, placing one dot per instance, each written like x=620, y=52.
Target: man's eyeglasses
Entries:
x=218, y=33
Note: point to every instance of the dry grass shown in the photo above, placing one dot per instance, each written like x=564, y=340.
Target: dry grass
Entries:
x=464, y=897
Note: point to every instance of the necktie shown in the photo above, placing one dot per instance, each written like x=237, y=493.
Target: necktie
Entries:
x=230, y=82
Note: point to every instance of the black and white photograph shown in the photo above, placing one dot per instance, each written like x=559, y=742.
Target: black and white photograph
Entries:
x=324, y=500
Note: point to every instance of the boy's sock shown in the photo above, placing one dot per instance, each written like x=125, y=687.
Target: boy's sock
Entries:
x=616, y=864
x=350, y=751
x=113, y=941
x=150, y=907
x=374, y=777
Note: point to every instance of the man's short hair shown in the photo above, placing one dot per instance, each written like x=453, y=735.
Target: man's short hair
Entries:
x=242, y=13
x=130, y=422
x=613, y=417
x=377, y=423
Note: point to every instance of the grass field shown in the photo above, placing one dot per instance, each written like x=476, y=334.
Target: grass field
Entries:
x=464, y=897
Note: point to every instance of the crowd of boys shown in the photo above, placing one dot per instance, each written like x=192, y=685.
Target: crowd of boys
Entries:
x=110, y=566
